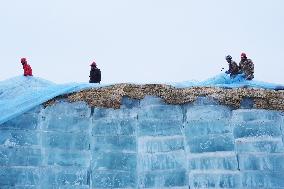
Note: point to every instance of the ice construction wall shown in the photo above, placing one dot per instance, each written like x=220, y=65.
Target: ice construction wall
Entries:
x=144, y=144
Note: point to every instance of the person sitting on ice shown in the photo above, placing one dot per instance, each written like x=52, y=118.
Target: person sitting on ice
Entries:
x=233, y=67
x=246, y=67
x=27, y=68
x=95, y=74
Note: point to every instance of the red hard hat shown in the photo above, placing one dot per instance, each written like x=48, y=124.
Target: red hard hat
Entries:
x=94, y=64
x=23, y=60
x=243, y=55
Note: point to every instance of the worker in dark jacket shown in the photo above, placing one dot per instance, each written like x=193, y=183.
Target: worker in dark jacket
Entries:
x=246, y=67
x=95, y=74
x=27, y=68
x=233, y=67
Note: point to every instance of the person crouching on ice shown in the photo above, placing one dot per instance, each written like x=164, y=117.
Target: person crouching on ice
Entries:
x=233, y=67
x=27, y=68
x=246, y=67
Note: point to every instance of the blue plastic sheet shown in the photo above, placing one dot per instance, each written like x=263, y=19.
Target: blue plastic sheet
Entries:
x=223, y=80
x=20, y=94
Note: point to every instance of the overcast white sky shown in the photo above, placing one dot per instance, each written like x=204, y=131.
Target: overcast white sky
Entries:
x=140, y=40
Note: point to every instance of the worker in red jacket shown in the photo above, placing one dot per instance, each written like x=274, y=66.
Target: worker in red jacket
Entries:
x=27, y=68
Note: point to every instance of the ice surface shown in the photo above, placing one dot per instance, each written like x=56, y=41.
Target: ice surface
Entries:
x=213, y=161
x=151, y=144
x=21, y=176
x=165, y=179
x=144, y=144
x=263, y=179
x=215, y=179
x=20, y=156
x=207, y=112
x=261, y=161
x=103, y=179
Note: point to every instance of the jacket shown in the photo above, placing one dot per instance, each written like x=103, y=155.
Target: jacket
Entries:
x=95, y=75
x=27, y=70
x=247, y=67
x=233, y=68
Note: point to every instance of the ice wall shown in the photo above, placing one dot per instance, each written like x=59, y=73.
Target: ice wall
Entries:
x=144, y=144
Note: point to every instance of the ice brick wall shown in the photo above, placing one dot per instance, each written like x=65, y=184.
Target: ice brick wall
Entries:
x=161, y=149
x=114, y=148
x=20, y=152
x=65, y=145
x=144, y=144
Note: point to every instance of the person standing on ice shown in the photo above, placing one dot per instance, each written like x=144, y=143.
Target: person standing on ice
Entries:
x=95, y=74
x=246, y=67
x=233, y=67
x=27, y=68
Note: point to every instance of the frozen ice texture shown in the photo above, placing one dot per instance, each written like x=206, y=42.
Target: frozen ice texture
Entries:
x=144, y=144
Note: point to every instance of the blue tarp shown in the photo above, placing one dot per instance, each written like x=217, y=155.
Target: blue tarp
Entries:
x=20, y=94
x=224, y=80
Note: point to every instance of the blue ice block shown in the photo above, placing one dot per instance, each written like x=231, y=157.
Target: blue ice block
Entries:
x=162, y=161
x=262, y=179
x=16, y=156
x=114, y=143
x=114, y=161
x=19, y=176
x=172, y=178
x=207, y=112
x=67, y=141
x=114, y=179
x=12, y=138
x=213, y=161
x=159, y=127
x=160, y=112
x=257, y=128
x=67, y=157
x=211, y=143
x=64, y=176
x=149, y=144
x=261, y=161
x=26, y=121
x=259, y=144
x=215, y=179
x=205, y=127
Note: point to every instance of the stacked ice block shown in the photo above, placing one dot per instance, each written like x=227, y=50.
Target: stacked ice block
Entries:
x=144, y=144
